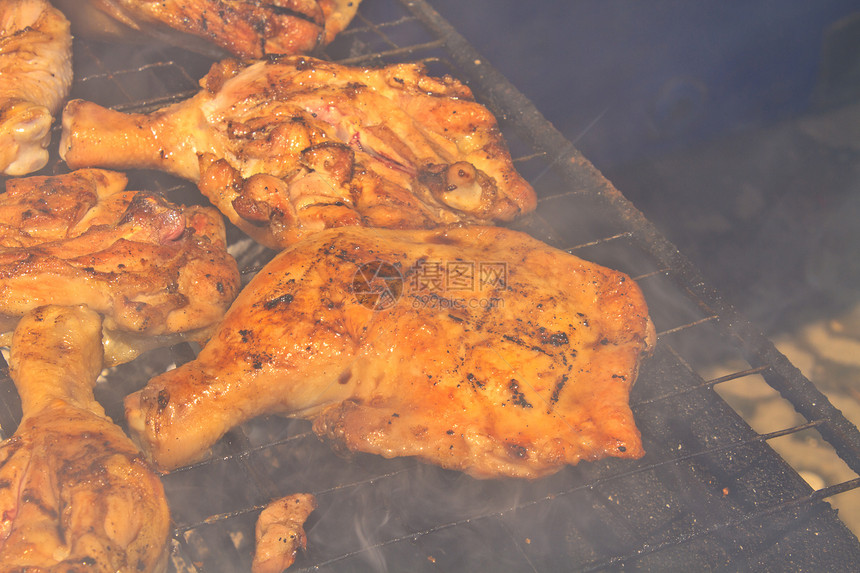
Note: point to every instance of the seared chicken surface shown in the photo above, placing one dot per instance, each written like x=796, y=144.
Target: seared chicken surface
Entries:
x=216, y=27
x=289, y=147
x=35, y=77
x=153, y=269
x=75, y=492
x=280, y=532
x=476, y=348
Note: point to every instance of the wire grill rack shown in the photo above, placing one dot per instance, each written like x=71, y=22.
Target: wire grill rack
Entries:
x=710, y=493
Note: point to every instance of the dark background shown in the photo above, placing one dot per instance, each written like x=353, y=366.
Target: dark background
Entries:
x=734, y=126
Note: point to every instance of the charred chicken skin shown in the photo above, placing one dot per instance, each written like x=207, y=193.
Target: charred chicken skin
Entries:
x=289, y=147
x=76, y=495
x=35, y=77
x=216, y=27
x=475, y=348
x=153, y=269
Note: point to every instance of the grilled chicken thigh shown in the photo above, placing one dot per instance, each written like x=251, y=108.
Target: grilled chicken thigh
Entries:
x=75, y=492
x=152, y=268
x=216, y=27
x=35, y=77
x=289, y=147
x=476, y=348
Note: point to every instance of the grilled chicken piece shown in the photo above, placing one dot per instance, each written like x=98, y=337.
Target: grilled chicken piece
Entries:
x=290, y=147
x=216, y=27
x=280, y=532
x=35, y=77
x=153, y=269
x=476, y=348
x=75, y=492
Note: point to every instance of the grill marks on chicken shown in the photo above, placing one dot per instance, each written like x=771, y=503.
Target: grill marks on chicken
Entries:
x=153, y=269
x=75, y=492
x=289, y=147
x=522, y=368
x=35, y=77
x=218, y=27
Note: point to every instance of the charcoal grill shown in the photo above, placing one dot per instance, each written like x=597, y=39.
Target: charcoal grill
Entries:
x=710, y=493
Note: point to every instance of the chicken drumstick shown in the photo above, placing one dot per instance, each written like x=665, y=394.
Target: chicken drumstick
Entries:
x=75, y=492
x=289, y=147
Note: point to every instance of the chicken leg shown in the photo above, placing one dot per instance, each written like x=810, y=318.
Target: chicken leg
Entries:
x=216, y=27
x=35, y=77
x=289, y=147
x=156, y=271
x=475, y=348
x=75, y=492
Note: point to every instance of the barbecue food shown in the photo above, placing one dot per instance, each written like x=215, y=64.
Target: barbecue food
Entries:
x=290, y=147
x=155, y=270
x=475, y=348
x=35, y=77
x=75, y=492
x=280, y=532
x=216, y=27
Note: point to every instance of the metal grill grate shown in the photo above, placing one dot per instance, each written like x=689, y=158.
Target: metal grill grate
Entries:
x=710, y=492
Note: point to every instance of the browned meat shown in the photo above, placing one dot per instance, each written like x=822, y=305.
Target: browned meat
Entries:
x=476, y=348
x=217, y=27
x=76, y=495
x=152, y=268
x=280, y=532
x=35, y=77
x=290, y=147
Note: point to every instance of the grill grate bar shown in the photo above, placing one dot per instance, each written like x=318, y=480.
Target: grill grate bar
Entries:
x=250, y=449
x=395, y=53
x=368, y=24
x=149, y=105
x=648, y=275
x=705, y=384
x=116, y=75
x=379, y=27
x=240, y=445
x=395, y=49
x=530, y=157
x=573, y=193
x=601, y=241
x=677, y=329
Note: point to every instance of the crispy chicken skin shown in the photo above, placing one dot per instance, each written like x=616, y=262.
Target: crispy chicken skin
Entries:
x=76, y=495
x=280, y=532
x=216, y=27
x=153, y=269
x=289, y=147
x=35, y=77
x=495, y=354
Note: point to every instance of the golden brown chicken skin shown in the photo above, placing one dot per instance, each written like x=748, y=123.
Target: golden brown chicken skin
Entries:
x=153, y=269
x=479, y=349
x=216, y=27
x=289, y=147
x=35, y=77
x=280, y=532
x=76, y=495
